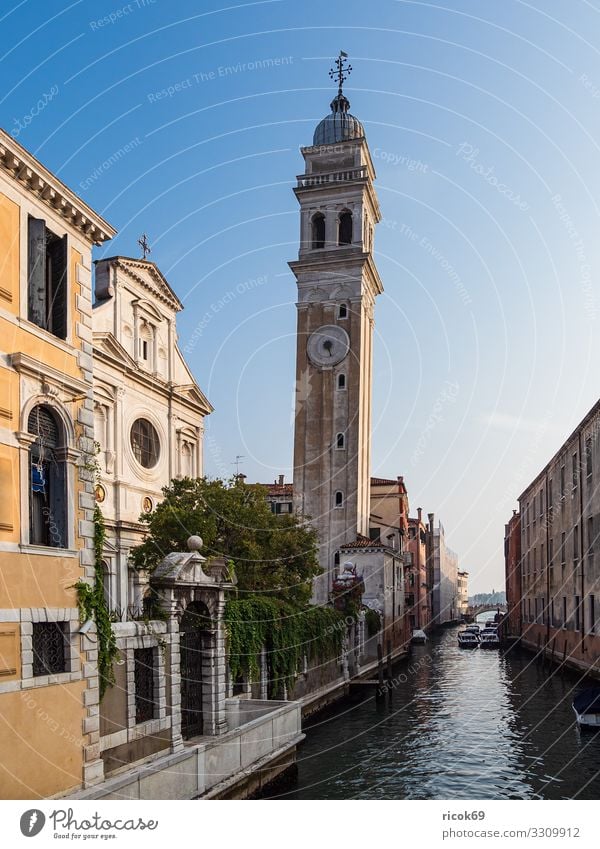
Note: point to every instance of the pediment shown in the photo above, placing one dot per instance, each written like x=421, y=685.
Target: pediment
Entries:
x=147, y=275
x=108, y=344
x=194, y=394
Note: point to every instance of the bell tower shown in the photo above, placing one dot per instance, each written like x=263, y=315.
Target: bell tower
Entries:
x=337, y=286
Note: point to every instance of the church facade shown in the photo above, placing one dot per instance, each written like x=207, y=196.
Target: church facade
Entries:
x=148, y=411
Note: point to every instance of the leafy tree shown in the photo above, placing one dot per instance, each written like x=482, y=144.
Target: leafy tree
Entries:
x=272, y=554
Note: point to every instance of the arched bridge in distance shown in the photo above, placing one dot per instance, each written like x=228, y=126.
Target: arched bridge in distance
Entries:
x=474, y=612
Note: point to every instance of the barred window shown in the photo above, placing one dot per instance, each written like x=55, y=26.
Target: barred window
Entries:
x=49, y=644
x=145, y=443
x=144, y=684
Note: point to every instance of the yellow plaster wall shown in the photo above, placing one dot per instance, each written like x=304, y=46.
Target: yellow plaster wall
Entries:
x=41, y=741
x=36, y=580
x=17, y=339
x=9, y=399
x=10, y=651
x=9, y=494
x=9, y=255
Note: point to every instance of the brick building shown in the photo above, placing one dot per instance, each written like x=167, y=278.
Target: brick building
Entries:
x=560, y=560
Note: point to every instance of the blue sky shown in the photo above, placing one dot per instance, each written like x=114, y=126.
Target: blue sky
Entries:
x=483, y=120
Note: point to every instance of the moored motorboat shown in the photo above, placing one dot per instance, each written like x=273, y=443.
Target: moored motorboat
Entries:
x=418, y=636
x=489, y=639
x=587, y=707
x=467, y=640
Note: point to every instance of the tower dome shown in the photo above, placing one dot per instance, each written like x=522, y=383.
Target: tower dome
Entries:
x=339, y=125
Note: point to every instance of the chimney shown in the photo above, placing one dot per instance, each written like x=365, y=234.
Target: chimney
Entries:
x=431, y=517
x=281, y=479
x=419, y=513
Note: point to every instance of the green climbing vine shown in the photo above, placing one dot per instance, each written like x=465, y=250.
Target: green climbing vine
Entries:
x=92, y=605
x=287, y=632
x=373, y=621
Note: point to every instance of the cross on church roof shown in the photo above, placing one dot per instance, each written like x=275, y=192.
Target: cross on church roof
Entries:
x=342, y=70
x=143, y=243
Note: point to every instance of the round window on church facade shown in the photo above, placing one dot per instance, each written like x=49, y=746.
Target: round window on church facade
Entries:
x=145, y=443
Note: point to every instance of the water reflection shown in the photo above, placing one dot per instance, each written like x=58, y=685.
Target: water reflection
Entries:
x=463, y=725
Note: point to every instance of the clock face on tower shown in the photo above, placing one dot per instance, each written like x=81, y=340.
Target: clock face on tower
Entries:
x=328, y=345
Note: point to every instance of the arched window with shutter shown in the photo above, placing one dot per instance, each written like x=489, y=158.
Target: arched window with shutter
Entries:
x=47, y=479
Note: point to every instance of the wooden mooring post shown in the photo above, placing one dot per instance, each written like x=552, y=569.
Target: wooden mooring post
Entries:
x=389, y=669
x=380, y=691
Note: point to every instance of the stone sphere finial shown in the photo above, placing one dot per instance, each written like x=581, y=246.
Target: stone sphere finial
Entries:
x=195, y=543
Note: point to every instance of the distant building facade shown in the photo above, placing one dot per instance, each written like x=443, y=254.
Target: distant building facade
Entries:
x=463, y=592
x=560, y=556
x=420, y=582
x=512, y=569
x=280, y=496
x=445, y=576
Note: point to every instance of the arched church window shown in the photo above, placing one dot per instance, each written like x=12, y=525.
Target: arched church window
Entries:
x=145, y=343
x=345, y=228
x=341, y=381
x=318, y=231
x=340, y=441
x=339, y=498
x=47, y=479
x=342, y=311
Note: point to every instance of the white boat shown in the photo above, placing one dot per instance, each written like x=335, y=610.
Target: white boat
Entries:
x=587, y=707
x=418, y=637
x=489, y=639
x=467, y=640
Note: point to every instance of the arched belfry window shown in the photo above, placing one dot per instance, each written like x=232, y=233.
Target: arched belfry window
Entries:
x=47, y=479
x=318, y=231
x=342, y=311
x=340, y=441
x=345, y=228
x=341, y=381
x=339, y=498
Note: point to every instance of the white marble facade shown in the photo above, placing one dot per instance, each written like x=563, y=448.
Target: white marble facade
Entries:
x=148, y=409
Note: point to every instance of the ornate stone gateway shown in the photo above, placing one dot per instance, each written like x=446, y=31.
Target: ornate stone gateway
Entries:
x=192, y=593
x=191, y=644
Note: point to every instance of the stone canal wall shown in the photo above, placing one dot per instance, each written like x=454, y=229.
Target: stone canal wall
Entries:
x=561, y=645
x=260, y=745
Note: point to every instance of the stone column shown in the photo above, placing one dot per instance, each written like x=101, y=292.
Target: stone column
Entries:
x=214, y=675
x=331, y=234
x=175, y=685
x=357, y=226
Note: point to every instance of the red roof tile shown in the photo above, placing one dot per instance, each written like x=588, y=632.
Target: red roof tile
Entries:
x=363, y=542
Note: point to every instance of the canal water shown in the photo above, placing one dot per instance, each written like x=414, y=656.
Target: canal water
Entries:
x=461, y=725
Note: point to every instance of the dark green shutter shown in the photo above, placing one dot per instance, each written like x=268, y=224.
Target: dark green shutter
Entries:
x=57, y=251
x=36, y=276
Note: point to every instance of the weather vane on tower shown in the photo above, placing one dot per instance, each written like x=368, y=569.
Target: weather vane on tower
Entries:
x=342, y=70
